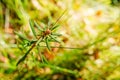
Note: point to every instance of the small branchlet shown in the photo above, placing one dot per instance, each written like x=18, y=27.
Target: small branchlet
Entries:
x=47, y=34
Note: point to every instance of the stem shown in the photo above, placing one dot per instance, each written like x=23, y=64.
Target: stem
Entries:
x=59, y=18
x=60, y=69
x=65, y=47
x=40, y=55
x=33, y=45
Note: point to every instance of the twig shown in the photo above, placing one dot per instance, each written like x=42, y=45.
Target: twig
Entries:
x=60, y=69
x=25, y=55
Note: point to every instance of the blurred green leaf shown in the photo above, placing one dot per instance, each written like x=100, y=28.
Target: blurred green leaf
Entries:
x=52, y=37
x=47, y=44
x=32, y=28
x=36, y=24
x=54, y=27
x=44, y=59
x=56, y=34
x=21, y=36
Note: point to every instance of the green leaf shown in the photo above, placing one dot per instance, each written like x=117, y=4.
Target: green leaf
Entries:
x=54, y=38
x=39, y=40
x=54, y=27
x=44, y=59
x=56, y=34
x=45, y=28
x=39, y=53
x=21, y=36
x=32, y=28
x=47, y=44
x=38, y=26
x=29, y=43
x=59, y=18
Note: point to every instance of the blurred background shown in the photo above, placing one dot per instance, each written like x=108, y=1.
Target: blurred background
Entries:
x=90, y=38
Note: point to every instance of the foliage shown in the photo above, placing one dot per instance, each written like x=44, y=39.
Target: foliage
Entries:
x=46, y=44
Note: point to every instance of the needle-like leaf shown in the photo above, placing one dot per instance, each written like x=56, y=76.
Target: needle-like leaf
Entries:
x=54, y=27
x=32, y=28
x=47, y=44
x=44, y=59
x=21, y=36
x=52, y=37
x=36, y=24
x=59, y=17
x=56, y=34
x=39, y=40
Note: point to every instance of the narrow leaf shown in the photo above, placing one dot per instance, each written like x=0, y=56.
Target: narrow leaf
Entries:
x=21, y=36
x=44, y=59
x=59, y=17
x=39, y=53
x=36, y=24
x=54, y=27
x=56, y=34
x=39, y=40
x=54, y=38
x=32, y=28
x=47, y=44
